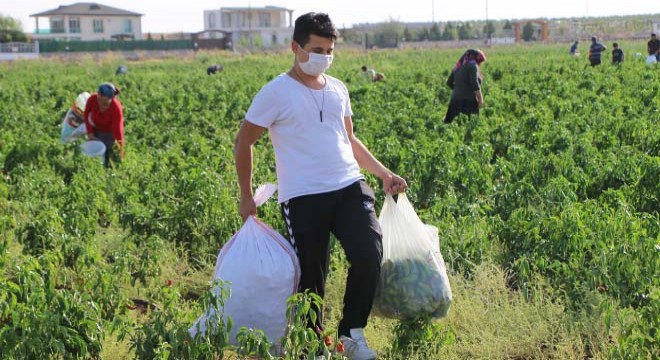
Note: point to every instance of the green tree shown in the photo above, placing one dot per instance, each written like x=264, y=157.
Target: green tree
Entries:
x=449, y=33
x=489, y=29
x=424, y=34
x=387, y=34
x=9, y=23
x=507, y=25
x=407, y=36
x=465, y=31
x=11, y=30
x=528, y=32
x=434, y=33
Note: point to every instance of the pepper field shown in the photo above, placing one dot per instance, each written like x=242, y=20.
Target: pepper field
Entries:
x=547, y=204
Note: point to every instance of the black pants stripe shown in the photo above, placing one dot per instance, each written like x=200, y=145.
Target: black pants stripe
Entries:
x=349, y=215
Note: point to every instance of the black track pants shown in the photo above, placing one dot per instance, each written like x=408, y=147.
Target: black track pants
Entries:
x=349, y=214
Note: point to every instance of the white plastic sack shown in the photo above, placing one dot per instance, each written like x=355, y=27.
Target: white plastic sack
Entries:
x=413, y=279
x=651, y=59
x=263, y=271
x=70, y=133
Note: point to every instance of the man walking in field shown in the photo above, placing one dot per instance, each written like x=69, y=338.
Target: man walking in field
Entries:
x=595, y=51
x=617, y=54
x=653, y=47
x=321, y=190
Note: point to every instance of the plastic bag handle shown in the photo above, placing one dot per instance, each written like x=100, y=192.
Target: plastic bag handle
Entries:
x=263, y=193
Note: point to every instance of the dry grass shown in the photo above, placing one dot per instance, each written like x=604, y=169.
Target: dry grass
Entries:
x=489, y=322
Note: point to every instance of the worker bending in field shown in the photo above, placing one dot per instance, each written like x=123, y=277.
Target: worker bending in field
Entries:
x=104, y=119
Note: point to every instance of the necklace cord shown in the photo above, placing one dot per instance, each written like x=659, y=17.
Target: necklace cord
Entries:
x=325, y=83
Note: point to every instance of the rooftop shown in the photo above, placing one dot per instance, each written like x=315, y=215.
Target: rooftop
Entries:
x=86, y=9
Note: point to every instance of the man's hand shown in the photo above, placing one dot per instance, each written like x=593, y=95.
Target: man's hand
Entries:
x=247, y=207
x=394, y=184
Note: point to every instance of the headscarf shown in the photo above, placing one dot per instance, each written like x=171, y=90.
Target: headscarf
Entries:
x=108, y=90
x=78, y=106
x=472, y=56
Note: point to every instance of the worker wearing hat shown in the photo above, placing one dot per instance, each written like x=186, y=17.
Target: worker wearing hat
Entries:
x=104, y=119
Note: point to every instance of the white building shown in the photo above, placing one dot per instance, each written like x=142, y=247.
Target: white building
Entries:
x=253, y=26
x=88, y=21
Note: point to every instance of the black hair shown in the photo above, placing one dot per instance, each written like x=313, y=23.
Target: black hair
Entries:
x=615, y=44
x=364, y=68
x=318, y=24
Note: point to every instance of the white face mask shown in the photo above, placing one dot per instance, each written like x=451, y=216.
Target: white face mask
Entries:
x=316, y=64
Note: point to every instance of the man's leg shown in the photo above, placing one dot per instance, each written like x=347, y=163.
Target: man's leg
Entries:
x=357, y=229
x=308, y=221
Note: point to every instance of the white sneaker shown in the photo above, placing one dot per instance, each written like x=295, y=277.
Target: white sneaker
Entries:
x=356, y=347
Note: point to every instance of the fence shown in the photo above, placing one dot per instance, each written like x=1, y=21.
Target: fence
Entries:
x=47, y=46
x=19, y=47
x=19, y=50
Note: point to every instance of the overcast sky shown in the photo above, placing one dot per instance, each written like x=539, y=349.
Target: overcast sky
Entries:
x=187, y=16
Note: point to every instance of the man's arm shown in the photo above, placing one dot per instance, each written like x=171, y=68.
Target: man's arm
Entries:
x=247, y=135
x=392, y=183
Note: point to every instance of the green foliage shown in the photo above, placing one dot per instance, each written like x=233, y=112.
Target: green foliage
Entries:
x=7, y=36
x=41, y=318
x=449, y=33
x=489, y=29
x=10, y=23
x=465, y=31
x=301, y=339
x=434, y=33
x=420, y=334
x=165, y=335
x=11, y=30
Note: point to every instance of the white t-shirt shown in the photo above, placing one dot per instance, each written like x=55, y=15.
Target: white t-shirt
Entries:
x=311, y=156
x=369, y=74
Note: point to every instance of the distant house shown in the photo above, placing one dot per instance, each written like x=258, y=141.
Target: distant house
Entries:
x=88, y=21
x=252, y=26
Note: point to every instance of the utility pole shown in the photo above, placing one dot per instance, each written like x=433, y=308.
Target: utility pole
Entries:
x=586, y=6
x=433, y=11
x=250, y=24
x=488, y=34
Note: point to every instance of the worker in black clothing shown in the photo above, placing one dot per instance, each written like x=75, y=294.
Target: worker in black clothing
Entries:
x=617, y=54
x=465, y=81
x=653, y=47
x=595, y=51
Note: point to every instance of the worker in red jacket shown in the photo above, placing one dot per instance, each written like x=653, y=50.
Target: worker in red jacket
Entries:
x=104, y=119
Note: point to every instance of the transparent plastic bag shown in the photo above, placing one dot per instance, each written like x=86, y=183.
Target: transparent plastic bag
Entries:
x=413, y=280
x=263, y=271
